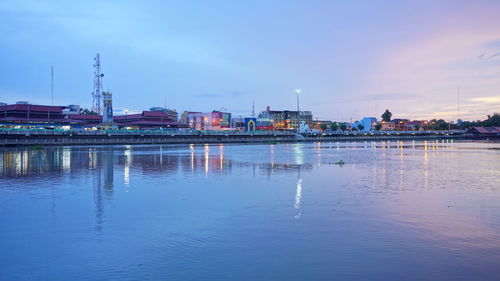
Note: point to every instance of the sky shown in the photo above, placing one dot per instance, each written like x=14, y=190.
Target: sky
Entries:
x=350, y=58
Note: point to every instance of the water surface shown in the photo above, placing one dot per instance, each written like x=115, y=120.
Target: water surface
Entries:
x=393, y=211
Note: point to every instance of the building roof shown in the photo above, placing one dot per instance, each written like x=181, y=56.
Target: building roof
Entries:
x=485, y=130
x=157, y=114
x=32, y=107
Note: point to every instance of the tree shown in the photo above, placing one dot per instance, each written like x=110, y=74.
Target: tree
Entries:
x=386, y=117
x=343, y=126
x=492, y=121
x=378, y=127
x=361, y=127
x=417, y=127
x=323, y=127
x=87, y=112
x=438, y=125
x=335, y=126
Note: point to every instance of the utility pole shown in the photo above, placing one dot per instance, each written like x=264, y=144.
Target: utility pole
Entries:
x=52, y=84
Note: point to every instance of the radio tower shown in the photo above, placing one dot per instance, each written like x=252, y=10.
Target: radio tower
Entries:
x=97, y=93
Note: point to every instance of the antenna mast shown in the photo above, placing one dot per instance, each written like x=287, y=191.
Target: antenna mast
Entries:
x=253, y=109
x=458, y=103
x=97, y=94
x=52, y=84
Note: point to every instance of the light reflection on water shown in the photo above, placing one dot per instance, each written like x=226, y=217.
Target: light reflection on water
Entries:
x=395, y=211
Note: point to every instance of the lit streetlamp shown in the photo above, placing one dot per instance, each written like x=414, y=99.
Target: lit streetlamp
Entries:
x=298, y=91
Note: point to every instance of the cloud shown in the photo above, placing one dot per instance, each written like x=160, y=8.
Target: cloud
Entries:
x=495, y=55
x=391, y=96
x=434, y=66
x=220, y=95
x=486, y=56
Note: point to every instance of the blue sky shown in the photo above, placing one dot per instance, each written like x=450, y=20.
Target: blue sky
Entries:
x=350, y=58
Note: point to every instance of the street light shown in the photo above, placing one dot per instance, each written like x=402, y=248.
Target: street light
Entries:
x=298, y=91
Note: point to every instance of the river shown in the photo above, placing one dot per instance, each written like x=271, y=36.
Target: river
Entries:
x=299, y=211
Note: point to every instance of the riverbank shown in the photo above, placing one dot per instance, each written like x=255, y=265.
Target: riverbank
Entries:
x=48, y=138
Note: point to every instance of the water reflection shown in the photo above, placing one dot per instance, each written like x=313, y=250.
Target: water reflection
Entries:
x=298, y=195
x=392, y=203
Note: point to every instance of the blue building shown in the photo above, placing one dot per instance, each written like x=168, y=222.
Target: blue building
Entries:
x=250, y=124
x=368, y=123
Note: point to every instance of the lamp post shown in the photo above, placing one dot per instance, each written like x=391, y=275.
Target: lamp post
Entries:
x=298, y=91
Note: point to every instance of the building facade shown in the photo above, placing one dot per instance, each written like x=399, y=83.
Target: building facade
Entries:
x=31, y=115
x=368, y=123
x=148, y=120
x=211, y=121
x=286, y=119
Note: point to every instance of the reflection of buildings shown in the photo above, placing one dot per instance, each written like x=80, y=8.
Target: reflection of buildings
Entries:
x=298, y=195
x=98, y=165
x=103, y=177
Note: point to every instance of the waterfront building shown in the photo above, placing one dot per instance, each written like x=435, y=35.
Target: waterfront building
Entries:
x=416, y=125
x=26, y=115
x=400, y=124
x=192, y=119
x=368, y=123
x=170, y=112
x=107, y=114
x=238, y=123
x=387, y=126
x=250, y=124
x=31, y=115
x=148, y=120
x=484, y=131
x=211, y=121
x=322, y=125
x=355, y=125
x=264, y=124
x=287, y=119
x=84, y=120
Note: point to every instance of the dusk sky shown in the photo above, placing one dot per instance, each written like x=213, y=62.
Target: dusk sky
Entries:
x=350, y=58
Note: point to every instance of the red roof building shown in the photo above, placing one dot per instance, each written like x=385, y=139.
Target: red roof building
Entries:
x=30, y=114
x=148, y=120
x=484, y=131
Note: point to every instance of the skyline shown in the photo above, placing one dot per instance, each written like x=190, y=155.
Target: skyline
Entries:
x=350, y=60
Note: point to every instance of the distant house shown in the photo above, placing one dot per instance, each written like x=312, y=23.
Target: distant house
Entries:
x=320, y=124
x=400, y=124
x=484, y=131
x=388, y=126
x=416, y=125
